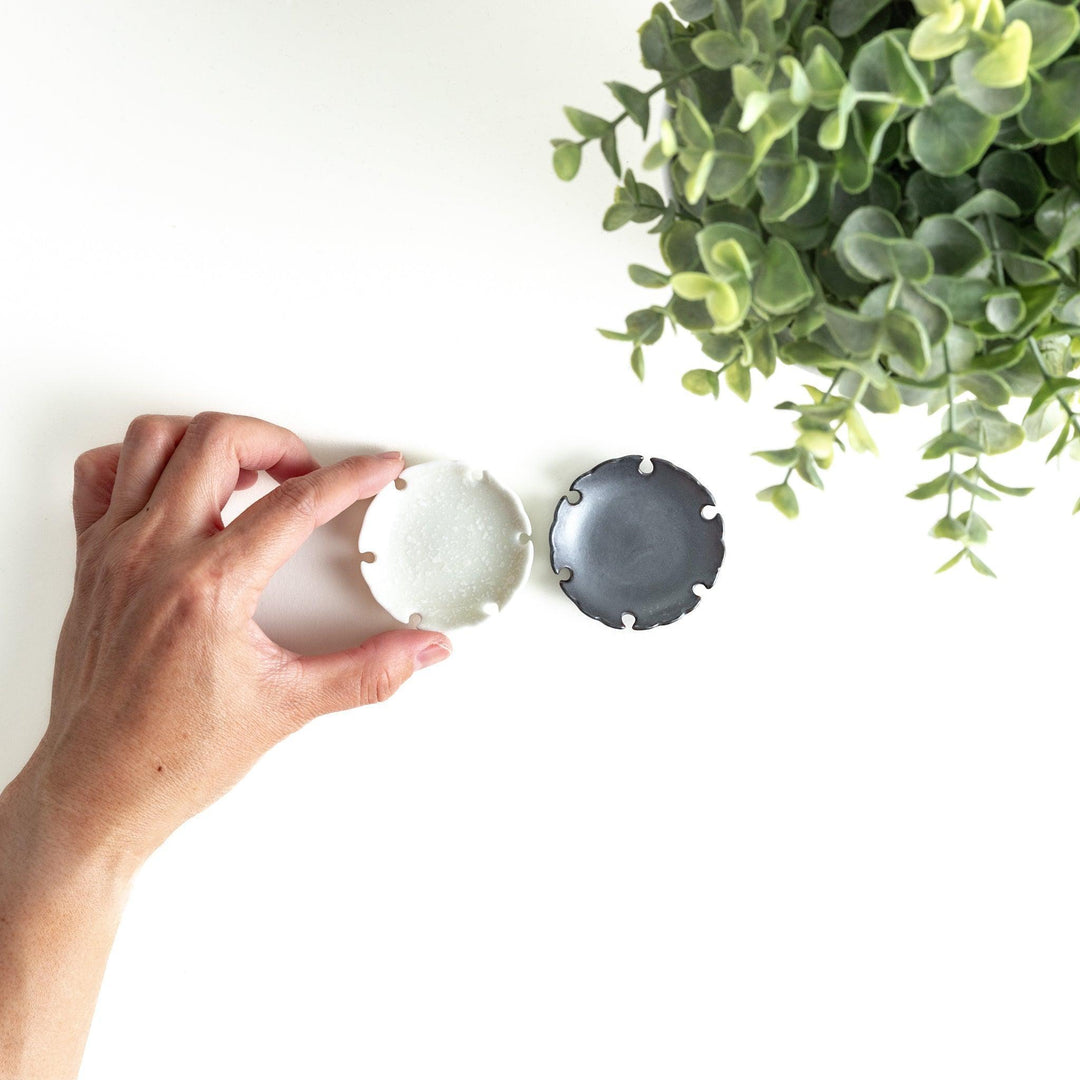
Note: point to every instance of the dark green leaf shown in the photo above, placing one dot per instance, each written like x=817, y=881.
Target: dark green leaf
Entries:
x=692, y=125
x=848, y=17
x=1051, y=114
x=718, y=49
x=649, y=279
x=955, y=245
x=634, y=102
x=782, y=285
x=950, y=137
x=610, y=151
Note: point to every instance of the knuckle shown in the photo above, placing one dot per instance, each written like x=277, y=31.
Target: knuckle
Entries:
x=300, y=495
x=210, y=427
x=85, y=467
x=146, y=430
x=376, y=686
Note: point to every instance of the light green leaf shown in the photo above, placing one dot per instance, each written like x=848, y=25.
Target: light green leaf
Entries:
x=953, y=561
x=637, y=362
x=951, y=443
x=979, y=564
x=858, y=433
x=738, y=379
x=567, y=160
x=887, y=260
x=827, y=79
x=782, y=496
x=1054, y=27
x=1005, y=65
x=932, y=488
x=692, y=286
x=784, y=458
x=702, y=382
x=718, y=49
x=940, y=34
x=696, y=181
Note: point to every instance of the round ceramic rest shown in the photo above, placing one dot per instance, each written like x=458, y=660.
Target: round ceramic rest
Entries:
x=637, y=542
x=451, y=546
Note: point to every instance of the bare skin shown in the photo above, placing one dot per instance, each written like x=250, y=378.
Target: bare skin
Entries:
x=165, y=694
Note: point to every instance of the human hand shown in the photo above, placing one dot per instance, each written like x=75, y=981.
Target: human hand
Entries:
x=165, y=690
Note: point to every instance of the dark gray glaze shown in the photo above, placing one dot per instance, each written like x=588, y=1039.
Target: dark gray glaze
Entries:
x=636, y=542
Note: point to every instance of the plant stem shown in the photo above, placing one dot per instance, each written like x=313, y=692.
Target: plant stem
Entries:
x=952, y=425
x=1073, y=417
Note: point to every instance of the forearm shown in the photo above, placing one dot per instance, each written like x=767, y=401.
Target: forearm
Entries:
x=60, y=905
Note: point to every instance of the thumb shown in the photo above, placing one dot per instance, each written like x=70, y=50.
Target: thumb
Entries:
x=370, y=673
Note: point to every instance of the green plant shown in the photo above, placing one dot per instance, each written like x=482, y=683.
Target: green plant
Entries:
x=884, y=194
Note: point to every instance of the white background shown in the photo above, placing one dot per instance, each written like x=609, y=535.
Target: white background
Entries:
x=824, y=826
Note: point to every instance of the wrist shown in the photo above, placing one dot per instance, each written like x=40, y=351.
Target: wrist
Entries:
x=49, y=847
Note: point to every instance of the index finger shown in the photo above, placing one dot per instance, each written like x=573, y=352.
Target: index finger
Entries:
x=271, y=530
x=216, y=449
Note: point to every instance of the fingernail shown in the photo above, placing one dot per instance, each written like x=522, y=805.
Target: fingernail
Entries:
x=431, y=654
x=391, y=455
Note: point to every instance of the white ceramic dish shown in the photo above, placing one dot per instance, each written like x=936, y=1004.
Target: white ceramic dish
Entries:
x=450, y=546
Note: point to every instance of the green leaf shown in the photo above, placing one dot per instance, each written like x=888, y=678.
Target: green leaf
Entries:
x=848, y=17
x=951, y=443
x=806, y=468
x=886, y=260
x=634, y=102
x=1016, y=492
x=782, y=285
x=692, y=10
x=902, y=76
x=1054, y=27
x=1076, y=508
x=718, y=49
x=1015, y=174
x=949, y=137
x=649, y=279
x=587, y=124
x=645, y=327
x=782, y=496
x=1005, y=64
x=784, y=458
x=991, y=431
x=692, y=286
x=1062, y=441
x=827, y=79
x=702, y=382
x=948, y=529
x=1051, y=388
x=786, y=188
x=858, y=433
x=942, y=33
x=637, y=362
x=1024, y=270
x=987, y=387
x=738, y=379
x=567, y=160
x=953, y=561
x=618, y=215
x=610, y=150
x=1005, y=309
x=932, y=488
x=955, y=245
x=678, y=247
x=692, y=126
x=1051, y=114
x=979, y=564
x=699, y=177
